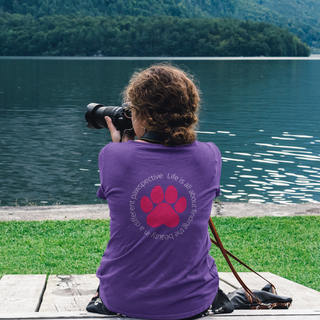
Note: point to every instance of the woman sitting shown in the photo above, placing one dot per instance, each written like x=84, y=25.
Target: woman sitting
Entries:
x=160, y=188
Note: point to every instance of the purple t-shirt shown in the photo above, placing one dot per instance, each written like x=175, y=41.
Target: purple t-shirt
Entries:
x=156, y=264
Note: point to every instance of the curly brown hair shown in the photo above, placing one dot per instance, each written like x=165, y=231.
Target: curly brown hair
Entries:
x=167, y=99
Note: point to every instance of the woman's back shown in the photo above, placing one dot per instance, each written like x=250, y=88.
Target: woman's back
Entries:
x=156, y=264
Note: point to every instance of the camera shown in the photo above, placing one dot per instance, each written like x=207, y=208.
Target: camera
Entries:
x=120, y=116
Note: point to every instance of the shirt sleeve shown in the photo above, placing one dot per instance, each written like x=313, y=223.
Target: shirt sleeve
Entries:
x=101, y=193
x=217, y=165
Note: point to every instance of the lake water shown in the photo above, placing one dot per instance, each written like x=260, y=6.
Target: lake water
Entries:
x=264, y=115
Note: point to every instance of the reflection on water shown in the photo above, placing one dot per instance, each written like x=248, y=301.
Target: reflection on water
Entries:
x=263, y=115
x=277, y=179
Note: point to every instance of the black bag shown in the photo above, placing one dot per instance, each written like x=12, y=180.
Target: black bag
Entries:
x=221, y=303
x=245, y=298
x=268, y=299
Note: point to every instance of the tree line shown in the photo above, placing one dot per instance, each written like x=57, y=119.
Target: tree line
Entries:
x=177, y=8
x=300, y=17
x=143, y=36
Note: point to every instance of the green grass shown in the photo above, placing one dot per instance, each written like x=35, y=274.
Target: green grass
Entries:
x=52, y=247
x=288, y=247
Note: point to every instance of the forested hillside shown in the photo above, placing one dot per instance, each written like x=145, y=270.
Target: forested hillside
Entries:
x=178, y=8
x=300, y=17
x=155, y=27
x=144, y=36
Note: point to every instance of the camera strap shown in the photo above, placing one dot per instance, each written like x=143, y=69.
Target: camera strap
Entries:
x=154, y=137
x=249, y=294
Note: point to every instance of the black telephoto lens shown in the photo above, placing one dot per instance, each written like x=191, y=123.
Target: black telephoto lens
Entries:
x=96, y=113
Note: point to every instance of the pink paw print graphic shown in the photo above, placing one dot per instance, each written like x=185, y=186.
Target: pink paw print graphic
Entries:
x=163, y=213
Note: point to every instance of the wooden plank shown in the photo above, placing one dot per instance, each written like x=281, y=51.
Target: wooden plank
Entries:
x=21, y=293
x=225, y=287
x=236, y=315
x=58, y=315
x=303, y=297
x=72, y=293
x=69, y=292
x=271, y=317
x=276, y=314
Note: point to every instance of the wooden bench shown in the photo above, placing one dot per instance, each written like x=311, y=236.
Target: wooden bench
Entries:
x=66, y=296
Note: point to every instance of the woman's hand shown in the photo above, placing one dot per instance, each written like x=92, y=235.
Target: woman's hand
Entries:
x=116, y=135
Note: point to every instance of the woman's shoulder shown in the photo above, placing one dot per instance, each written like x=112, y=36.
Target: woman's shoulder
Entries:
x=207, y=147
x=114, y=150
x=205, y=154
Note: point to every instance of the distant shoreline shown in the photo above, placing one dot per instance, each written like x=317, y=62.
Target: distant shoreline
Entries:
x=311, y=57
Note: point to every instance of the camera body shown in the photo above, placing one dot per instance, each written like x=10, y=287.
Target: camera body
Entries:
x=120, y=117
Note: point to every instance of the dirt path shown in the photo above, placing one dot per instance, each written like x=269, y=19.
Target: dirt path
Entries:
x=101, y=211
